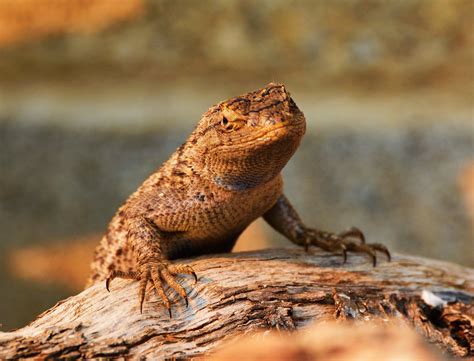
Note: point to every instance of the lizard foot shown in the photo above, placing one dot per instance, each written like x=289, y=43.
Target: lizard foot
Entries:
x=158, y=272
x=351, y=240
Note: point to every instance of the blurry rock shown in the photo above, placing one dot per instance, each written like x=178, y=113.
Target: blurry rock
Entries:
x=66, y=263
x=22, y=20
x=368, y=44
x=253, y=238
x=331, y=342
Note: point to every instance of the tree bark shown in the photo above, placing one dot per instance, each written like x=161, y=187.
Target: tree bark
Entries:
x=283, y=289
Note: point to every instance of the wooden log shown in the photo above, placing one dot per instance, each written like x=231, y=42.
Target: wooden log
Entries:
x=238, y=293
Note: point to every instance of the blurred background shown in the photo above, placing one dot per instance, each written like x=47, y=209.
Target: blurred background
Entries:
x=95, y=94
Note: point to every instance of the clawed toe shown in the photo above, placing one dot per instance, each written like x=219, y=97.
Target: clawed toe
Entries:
x=182, y=268
x=363, y=248
x=142, y=291
x=343, y=242
x=158, y=273
x=369, y=249
x=327, y=241
x=353, y=232
x=381, y=248
x=119, y=274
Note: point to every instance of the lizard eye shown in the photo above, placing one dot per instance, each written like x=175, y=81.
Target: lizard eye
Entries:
x=226, y=124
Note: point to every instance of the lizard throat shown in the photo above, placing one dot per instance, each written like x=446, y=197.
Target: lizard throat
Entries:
x=237, y=185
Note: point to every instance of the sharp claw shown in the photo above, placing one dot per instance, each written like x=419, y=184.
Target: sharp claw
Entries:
x=186, y=299
x=107, y=283
x=142, y=298
x=344, y=252
x=374, y=260
x=382, y=248
x=361, y=234
x=169, y=310
x=195, y=277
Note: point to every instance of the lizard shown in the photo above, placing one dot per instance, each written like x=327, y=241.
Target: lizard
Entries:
x=226, y=175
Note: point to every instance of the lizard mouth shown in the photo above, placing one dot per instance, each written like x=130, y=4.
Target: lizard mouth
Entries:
x=287, y=130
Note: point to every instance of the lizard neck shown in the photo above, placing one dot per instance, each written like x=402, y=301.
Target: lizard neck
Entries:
x=240, y=184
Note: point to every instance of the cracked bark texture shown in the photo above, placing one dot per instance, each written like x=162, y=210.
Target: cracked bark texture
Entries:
x=284, y=289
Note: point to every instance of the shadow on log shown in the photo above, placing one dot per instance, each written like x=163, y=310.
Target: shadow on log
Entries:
x=283, y=289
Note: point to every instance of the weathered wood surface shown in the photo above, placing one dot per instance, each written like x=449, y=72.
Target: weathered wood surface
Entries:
x=243, y=292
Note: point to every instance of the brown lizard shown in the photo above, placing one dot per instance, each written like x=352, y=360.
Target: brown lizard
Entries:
x=222, y=178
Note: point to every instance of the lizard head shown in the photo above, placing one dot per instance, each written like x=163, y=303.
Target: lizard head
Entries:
x=248, y=139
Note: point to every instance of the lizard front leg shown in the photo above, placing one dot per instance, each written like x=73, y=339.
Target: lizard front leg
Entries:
x=152, y=265
x=283, y=218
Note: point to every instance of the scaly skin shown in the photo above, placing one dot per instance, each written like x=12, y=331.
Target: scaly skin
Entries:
x=222, y=178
